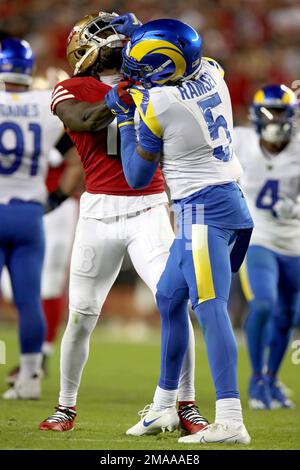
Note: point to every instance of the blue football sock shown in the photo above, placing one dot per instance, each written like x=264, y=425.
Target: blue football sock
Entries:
x=256, y=328
x=221, y=346
x=280, y=333
x=175, y=335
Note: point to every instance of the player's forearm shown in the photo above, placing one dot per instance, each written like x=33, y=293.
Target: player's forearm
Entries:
x=68, y=183
x=79, y=116
x=72, y=176
x=138, y=167
x=97, y=117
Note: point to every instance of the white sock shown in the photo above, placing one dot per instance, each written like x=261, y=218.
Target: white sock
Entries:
x=47, y=348
x=74, y=354
x=186, y=388
x=164, y=398
x=30, y=365
x=229, y=411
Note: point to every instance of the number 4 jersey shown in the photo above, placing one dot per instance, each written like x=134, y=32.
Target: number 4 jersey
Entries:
x=266, y=179
x=28, y=131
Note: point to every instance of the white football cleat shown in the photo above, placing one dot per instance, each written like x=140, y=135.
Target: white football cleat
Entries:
x=24, y=389
x=218, y=433
x=154, y=422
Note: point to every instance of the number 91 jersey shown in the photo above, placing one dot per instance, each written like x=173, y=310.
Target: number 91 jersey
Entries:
x=194, y=121
x=28, y=131
x=266, y=179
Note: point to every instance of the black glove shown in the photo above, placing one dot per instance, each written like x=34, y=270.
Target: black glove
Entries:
x=55, y=199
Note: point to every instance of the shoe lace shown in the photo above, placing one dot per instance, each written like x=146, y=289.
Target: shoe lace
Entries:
x=215, y=426
x=61, y=414
x=142, y=413
x=191, y=413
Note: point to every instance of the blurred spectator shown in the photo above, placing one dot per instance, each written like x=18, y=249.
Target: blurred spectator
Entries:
x=256, y=41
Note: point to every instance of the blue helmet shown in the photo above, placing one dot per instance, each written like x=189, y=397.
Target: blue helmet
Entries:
x=16, y=61
x=273, y=112
x=162, y=51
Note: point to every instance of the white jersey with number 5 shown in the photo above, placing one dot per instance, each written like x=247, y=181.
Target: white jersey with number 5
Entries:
x=28, y=131
x=195, y=122
x=266, y=179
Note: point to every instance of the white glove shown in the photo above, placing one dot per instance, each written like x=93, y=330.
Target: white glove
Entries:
x=287, y=209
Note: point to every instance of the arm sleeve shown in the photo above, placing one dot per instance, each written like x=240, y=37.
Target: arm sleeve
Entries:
x=138, y=172
x=64, y=143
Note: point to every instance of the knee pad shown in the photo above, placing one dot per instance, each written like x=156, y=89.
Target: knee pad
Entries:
x=283, y=322
x=168, y=305
x=80, y=326
x=84, y=305
x=213, y=316
x=264, y=308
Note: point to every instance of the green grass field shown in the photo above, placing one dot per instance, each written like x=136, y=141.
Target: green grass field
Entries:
x=119, y=380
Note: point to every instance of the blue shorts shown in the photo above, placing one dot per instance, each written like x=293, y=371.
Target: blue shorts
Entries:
x=213, y=232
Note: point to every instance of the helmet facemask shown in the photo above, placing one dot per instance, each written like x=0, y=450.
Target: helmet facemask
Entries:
x=98, y=40
x=275, y=123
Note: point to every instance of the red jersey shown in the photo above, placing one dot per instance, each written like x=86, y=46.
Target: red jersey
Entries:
x=53, y=177
x=99, y=155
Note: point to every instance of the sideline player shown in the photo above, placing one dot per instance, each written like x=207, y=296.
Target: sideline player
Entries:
x=59, y=228
x=269, y=153
x=186, y=122
x=27, y=133
x=114, y=219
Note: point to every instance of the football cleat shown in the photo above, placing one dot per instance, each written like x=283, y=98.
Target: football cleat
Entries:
x=13, y=374
x=62, y=420
x=259, y=394
x=154, y=422
x=278, y=397
x=285, y=389
x=218, y=433
x=190, y=420
x=24, y=389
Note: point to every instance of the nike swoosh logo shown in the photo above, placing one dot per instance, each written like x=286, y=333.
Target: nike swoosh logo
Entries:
x=203, y=441
x=146, y=424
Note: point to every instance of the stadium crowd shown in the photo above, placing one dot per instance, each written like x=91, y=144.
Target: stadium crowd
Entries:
x=256, y=41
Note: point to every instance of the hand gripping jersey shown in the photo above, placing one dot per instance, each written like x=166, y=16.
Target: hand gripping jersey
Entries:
x=194, y=121
x=99, y=150
x=266, y=179
x=28, y=131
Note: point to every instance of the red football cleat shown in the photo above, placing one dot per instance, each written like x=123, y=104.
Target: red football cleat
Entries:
x=190, y=420
x=62, y=420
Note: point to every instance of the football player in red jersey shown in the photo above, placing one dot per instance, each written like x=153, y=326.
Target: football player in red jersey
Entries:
x=114, y=219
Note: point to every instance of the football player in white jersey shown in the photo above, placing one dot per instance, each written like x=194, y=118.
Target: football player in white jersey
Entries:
x=186, y=123
x=28, y=132
x=269, y=153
